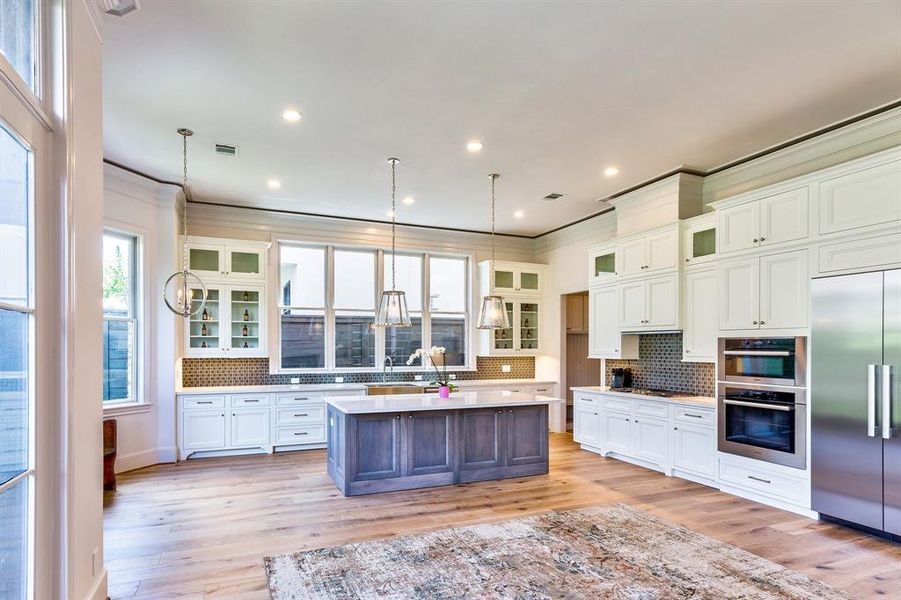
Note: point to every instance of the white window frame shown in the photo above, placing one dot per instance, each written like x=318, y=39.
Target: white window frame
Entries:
x=382, y=256
x=138, y=393
x=35, y=100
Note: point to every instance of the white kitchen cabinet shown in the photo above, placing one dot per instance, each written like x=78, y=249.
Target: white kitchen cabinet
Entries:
x=232, y=323
x=767, y=221
x=215, y=259
x=653, y=252
x=586, y=424
x=649, y=303
x=616, y=432
x=694, y=449
x=202, y=429
x=604, y=337
x=699, y=239
x=700, y=325
x=249, y=427
x=766, y=292
x=601, y=265
x=523, y=335
x=510, y=278
x=864, y=197
x=650, y=439
x=631, y=256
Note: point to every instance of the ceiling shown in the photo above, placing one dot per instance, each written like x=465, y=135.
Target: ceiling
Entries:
x=556, y=91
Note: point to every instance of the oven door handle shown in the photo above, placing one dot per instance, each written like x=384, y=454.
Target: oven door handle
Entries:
x=758, y=405
x=757, y=353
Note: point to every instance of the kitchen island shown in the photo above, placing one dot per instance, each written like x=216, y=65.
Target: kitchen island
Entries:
x=407, y=441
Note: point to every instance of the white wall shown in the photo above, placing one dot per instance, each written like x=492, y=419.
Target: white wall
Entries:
x=144, y=208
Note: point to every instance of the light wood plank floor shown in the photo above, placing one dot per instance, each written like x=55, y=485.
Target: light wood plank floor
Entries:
x=200, y=529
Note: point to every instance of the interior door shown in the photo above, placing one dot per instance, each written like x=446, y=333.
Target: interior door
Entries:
x=846, y=347
x=892, y=360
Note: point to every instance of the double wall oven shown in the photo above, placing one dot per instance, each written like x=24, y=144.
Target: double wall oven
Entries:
x=762, y=399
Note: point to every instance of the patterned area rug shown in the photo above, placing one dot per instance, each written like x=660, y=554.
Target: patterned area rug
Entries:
x=597, y=552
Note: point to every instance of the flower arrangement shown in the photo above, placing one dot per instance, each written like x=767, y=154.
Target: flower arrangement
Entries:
x=436, y=356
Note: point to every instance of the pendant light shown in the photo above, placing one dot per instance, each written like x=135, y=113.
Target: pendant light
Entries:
x=179, y=290
x=393, y=307
x=493, y=314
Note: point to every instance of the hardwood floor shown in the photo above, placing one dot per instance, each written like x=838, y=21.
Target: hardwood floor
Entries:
x=200, y=529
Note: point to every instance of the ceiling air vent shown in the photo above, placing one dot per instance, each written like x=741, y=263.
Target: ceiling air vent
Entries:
x=553, y=196
x=225, y=149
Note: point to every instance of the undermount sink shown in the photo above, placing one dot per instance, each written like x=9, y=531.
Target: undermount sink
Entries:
x=382, y=389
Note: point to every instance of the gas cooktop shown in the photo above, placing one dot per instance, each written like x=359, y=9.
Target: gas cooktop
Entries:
x=644, y=392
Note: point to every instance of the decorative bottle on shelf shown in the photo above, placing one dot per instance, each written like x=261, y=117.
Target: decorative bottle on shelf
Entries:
x=244, y=331
x=526, y=324
x=205, y=316
x=246, y=296
x=245, y=345
x=203, y=344
x=203, y=330
x=246, y=315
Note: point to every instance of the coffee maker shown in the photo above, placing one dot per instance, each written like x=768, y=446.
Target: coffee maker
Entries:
x=622, y=378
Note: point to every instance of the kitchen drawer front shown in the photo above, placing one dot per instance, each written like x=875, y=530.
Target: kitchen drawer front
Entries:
x=586, y=400
x=307, y=434
x=694, y=416
x=790, y=489
x=249, y=400
x=302, y=414
x=544, y=390
x=296, y=399
x=203, y=402
x=651, y=409
x=617, y=404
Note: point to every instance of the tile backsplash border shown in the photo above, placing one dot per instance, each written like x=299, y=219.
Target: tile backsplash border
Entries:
x=209, y=372
x=660, y=367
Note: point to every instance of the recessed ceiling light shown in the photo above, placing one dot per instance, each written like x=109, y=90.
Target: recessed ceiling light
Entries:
x=274, y=184
x=390, y=214
x=409, y=199
x=519, y=214
x=475, y=146
x=292, y=115
x=610, y=171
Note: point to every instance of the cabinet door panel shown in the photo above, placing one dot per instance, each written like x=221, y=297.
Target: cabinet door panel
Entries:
x=631, y=257
x=783, y=217
x=784, y=290
x=662, y=250
x=586, y=425
x=616, y=432
x=603, y=327
x=250, y=427
x=206, y=260
x=206, y=333
x=482, y=439
x=739, y=295
x=662, y=301
x=631, y=300
x=430, y=442
x=737, y=227
x=376, y=443
x=651, y=441
x=203, y=430
x=694, y=449
x=700, y=328
x=860, y=199
x=527, y=435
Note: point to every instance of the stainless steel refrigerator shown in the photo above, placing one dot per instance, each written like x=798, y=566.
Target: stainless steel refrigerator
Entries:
x=855, y=402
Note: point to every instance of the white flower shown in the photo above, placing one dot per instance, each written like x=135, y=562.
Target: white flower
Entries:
x=414, y=356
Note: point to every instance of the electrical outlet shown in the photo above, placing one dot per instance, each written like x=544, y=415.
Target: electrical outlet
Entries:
x=339, y=380
x=506, y=368
x=295, y=380
x=452, y=375
x=417, y=377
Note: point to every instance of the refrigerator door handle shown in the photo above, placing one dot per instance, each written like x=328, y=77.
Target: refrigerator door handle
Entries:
x=871, y=400
x=887, y=402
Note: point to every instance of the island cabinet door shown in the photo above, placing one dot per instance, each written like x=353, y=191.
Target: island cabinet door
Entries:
x=335, y=421
x=374, y=446
x=482, y=439
x=526, y=435
x=430, y=442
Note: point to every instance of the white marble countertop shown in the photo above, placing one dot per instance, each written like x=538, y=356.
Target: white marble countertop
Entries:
x=420, y=402
x=340, y=387
x=686, y=399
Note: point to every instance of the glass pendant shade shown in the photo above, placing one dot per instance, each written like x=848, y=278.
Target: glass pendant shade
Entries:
x=493, y=314
x=185, y=293
x=393, y=310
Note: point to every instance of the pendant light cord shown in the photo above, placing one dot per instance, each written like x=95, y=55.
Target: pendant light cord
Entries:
x=393, y=162
x=493, y=177
x=184, y=218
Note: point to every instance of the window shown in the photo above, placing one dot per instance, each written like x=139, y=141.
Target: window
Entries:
x=303, y=310
x=338, y=315
x=16, y=369
x=120, y=317
x=17, y=37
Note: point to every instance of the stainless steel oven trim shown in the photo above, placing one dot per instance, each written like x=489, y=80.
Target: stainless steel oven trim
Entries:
x=800, y=379
x=766, y=405
x=797, y=460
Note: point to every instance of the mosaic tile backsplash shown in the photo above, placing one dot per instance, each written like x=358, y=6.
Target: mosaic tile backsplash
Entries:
x=660, y=367
x=203, y=372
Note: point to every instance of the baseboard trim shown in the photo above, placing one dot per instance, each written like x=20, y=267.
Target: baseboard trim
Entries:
x=144, y=458
x=99, y=590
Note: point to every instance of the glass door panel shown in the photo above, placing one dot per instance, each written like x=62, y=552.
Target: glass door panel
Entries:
x=203, y=328
x=503, y=280
x=528, y=326
x=204, y=260
x=703, y=243
x=244, y=263
x=245, y=319
x=605, y=264
x=528, y=281
x=503, y=338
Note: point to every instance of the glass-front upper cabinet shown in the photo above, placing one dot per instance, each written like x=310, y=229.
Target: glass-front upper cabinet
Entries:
x=601, y=265
x=699, y=239
x=522, y=337
x=215, y=259
x=515, y=278
x=230, y=324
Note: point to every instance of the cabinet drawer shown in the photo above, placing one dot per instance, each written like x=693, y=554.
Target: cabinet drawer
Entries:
x=588, y=400
x=543, y=390
x=249, y=400
x=790, y=489
x=304, y=414
x=694, y=416
x=204, y=402
x=618, y=404
x=651, y=409
x=295, y=399
x=308, y=434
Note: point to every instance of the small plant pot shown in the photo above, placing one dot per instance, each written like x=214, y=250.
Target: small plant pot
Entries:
x=444, y=391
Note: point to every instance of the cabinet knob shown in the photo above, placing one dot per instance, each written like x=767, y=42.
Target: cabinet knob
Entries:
x=222, y=415
x=763, y=239
x=755, y=240
x=688, y=352
x=687, y=259
x=763, y=322
x=675, y=429
x=397, y=417
x=500, y=411
x=755, y=322
x=411, y=416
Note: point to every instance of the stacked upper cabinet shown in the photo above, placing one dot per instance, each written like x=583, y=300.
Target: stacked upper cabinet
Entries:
x=520, y=286
x=232, y=321
x=700, y=298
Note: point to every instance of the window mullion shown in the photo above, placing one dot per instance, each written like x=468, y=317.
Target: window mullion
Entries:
x=330, y=360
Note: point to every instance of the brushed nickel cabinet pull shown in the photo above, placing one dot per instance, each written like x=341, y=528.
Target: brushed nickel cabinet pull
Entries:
x=302, y=414
x=301, y=433
x=760, y=479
